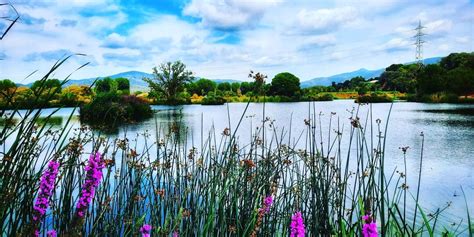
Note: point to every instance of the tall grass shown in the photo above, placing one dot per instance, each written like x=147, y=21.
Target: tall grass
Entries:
x=215, y=188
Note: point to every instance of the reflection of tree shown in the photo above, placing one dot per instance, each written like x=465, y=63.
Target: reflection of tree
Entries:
x=11, y=16
x=171, y=124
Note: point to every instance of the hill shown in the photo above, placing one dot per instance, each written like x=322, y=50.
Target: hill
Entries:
x=365, y=73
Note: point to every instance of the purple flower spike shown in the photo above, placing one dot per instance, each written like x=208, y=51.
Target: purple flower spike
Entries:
x=297, y=225
x=145, y=230
x=45, y=191
x=51, y=233
x=93, y=178
x=369, y=229
x=267, y=203
x=175, y=234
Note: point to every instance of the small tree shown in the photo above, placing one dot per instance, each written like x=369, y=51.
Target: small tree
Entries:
x=169, y=80
x=7, y=89
x=105, y=85
x=285, y=84
x=123, y=85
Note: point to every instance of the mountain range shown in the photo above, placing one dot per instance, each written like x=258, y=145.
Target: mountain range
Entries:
x=137, y=83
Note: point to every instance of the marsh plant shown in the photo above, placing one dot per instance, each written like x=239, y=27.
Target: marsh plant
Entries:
x=72, y=181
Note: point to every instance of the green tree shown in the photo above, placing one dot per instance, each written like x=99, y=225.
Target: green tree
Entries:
x=432, y=79
x=285, y=84
x=105, y=85
x=456, y=60
x=169, y=80
x=461, y=80
x=123, y=85
x=235, y=86
x=246, y=87
x=7, y=89
x=203, y=86
x=224, y=86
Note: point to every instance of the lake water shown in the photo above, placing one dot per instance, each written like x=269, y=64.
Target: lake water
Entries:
x=448, y=131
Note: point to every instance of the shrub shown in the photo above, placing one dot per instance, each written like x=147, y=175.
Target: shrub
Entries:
x=374, y=98
x=109, y=110
x=213, y=99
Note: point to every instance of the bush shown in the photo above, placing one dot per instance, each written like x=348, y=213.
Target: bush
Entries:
x=374, y=98
x=319, y=97
x=213, y=99
x=109, y=110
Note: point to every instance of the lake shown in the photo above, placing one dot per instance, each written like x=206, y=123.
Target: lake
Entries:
x=448, y=131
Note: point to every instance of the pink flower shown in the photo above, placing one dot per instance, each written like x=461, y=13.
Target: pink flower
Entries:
x=267, y=203
x=145, y=230
x=51, y=233
x=93, y=178
x=369, y=229
x=175, y=234
x=297, y=225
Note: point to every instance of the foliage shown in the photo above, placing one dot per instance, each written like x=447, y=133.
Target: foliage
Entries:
x=213, y=99
x=201, y=86
x=105, y=85
x=374, y=98
x=169, y=80
x=7, y=89
x=285, y=84
x=46, y=85
x=224, y=86
x=109, y=110
x=123, y=86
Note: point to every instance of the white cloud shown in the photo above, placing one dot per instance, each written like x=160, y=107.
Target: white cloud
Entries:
x=396, y=44
x=228, y=14
x=325, y=20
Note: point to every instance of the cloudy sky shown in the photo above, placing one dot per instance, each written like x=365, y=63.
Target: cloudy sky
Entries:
x=224, y=39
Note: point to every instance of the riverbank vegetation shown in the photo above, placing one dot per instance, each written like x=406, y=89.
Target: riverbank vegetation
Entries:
x=449, y=81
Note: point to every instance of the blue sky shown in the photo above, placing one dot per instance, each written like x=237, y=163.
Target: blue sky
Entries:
x=224, y=39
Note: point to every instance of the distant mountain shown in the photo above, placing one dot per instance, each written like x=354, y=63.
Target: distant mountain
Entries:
x=365, y=73
x=326, y=81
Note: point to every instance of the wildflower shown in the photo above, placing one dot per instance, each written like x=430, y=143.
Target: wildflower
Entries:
x=267, y=203
x=145, y=230
x=46, y=190
x=51, y=233
x=297, y=225
x=93, y=178
x=175, y=234
x=369, y=229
